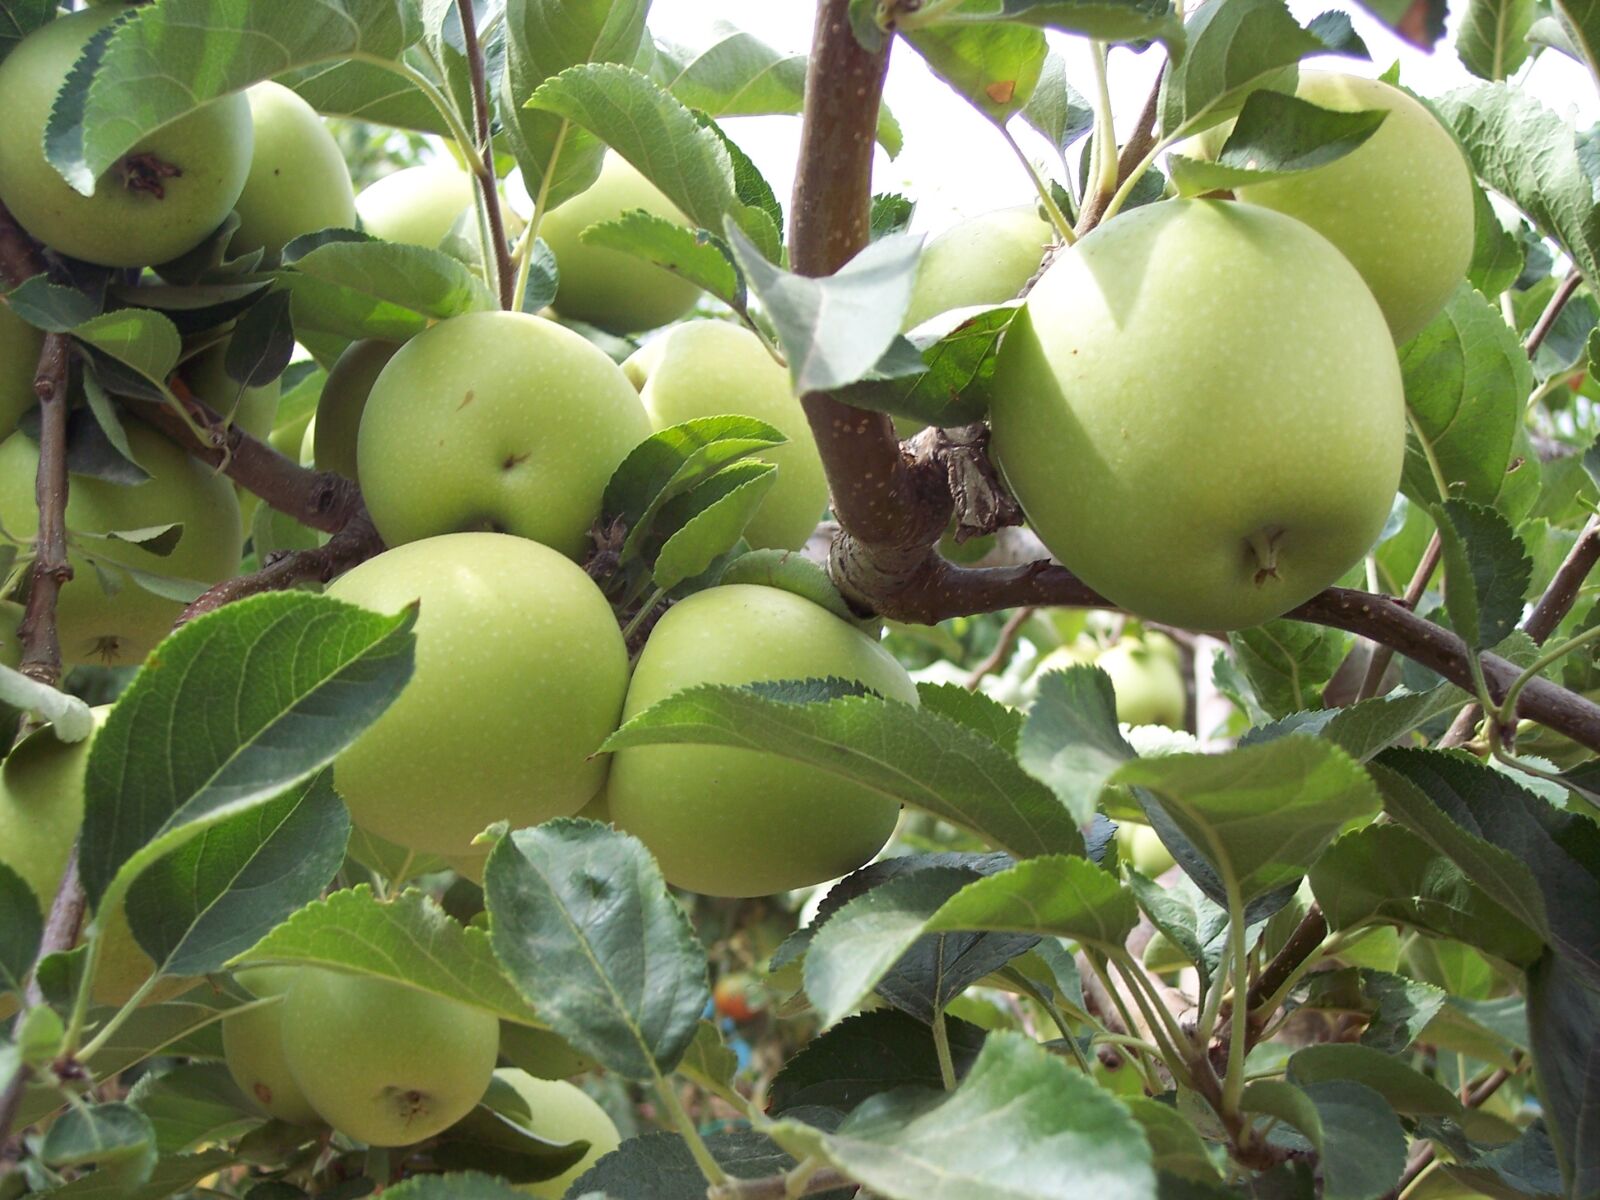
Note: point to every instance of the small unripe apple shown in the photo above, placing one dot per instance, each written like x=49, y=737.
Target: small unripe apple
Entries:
x=1148, y=684
x=98, y=626
x=1143, y=847
x=498, y=421
x=384, y=1063
x=252, y=1047
x=20, y=344
x=417, y=206
x=732, y=822
x=298, y=180
x=983, y=260
x=707, y=368
x=1141, y=417
x=520, y=674
x=608, y=288
x=562, y=1112
x=343, y=400
x=158, y=201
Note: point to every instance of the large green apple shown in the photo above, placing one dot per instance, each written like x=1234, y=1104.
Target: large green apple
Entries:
x=1148, y=684
x=298, y=180
x=252, y=1046
x=103, y=616
x=729, y=822
x=382, y=1062
x=158, y=201
x=1200, y=411
x=706, y=368
x=343, y=400
x=418, y=205
x=608, y=288
x=1400, y=205
x=20, y=344
x=983, y=260
x=496, y=420
x=562, y=1112
x=520, y=675
x=254, y=409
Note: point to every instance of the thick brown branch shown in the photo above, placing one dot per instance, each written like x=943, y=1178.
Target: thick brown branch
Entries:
x=355, y=543
x=41, y=648
x=1302, y=944
x=483, y=158
x=20, y=256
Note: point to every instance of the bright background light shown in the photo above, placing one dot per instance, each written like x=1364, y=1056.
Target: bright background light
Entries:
x=954, y=164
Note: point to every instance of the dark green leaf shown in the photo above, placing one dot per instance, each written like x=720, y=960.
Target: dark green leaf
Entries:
x=193, y=1104
x=660, y=1166
x=105, y=1134
x=1056, y=109
x=891, y=214
x=700, y=257
x=866, y=1055
x=21, y=925
x=1397, y=1009
x=458, y=1185
x=19, y=18
x=998, y=722
x=1486, y=571
x=950, y=387
x=1275, y=135
x=1406, y=1089
x=169, y=1177
x=1106, y=20
x=262, y=342
x=1564, y=1024
x=1497, y=254
x=1526, y=1167
x=1232, y=48
x=1492, y=41
x=1287, y=663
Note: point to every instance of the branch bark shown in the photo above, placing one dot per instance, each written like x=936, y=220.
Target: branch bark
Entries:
x=483, y=157
x=355, y=543
x=41, y=647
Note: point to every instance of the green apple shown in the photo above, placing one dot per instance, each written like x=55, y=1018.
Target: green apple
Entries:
x=608, y=288
x=706, y=368
x=252, y=1047
x=103, y=616
x=520, y=675
x=20, y=344
x=1400, y=205
x=382, y=1062
x=500, y=421
x=343, y=400
x=983, y=260
x=298, y=180
x=562, y=1112
x=731, y=822
x=1148, y=684
x=158, y=201
x=253, y=409
x=1200, y=411
x=418, y=205
x=1143, y=847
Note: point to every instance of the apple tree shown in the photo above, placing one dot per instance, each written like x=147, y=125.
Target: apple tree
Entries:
x=670, y=692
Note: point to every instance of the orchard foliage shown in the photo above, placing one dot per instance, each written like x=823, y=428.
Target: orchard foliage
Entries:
x=449, y=878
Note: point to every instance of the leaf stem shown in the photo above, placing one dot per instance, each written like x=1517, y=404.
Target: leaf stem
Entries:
x=519, y=293
x=941, y=1046
x=1238, y=1043
x=103, y=1034
x=1058, y=218
x=638, y=619
x=1105, y=132
x=1508, y=707
x=684, y=1124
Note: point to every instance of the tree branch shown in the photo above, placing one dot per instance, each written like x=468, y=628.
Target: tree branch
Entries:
x=355, y=543
x=1009, y=632
x=1552, y=310
x=483, y=157
x=41, y=648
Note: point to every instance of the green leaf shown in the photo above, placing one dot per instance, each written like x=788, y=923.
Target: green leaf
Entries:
x=1359, y=1141
x=169, y=1177
x=223, y=891
x=1275, y=135
x=1486, y=571
x=993, y=67
x=498, y=1136
x=1406, y=1089
x=1563, y=1017
x=19, y=18
x=1582, y=20
x=106, y=1134
x=260, y=695
x=1024, y=1124
x=1174, y=1141
x=700, y=257
x=68, y=716
x=959, y=350
x=914, y=757
x=1368, y=727
x=1493, y=39
x=790, y=571
x=711, y=1064
x=409, y=940
x=585, y=926
x=544, y=278
x=371, y=289
x=1288, y=663
x=1055, y=109
x=457, y=1185
x=192, y=1104
x=1398, y=1009
x=1232, y=48
x=1526, y=1167
x=1260, y=815
x=869, y=1054
x=141, y=339
x=710, y=519
x=21, y=926
x=1104, y=20
x=661, y=1166
x=1497, y=254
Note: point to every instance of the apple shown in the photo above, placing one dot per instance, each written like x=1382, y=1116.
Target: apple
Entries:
x=562, y=1112
x=732, y=822
x=382, y=1062
x=343, y=400
x=418, y=205
x=1142, y=846
x=253, y=409
x=158, y=201
x=20, y=344
x=520, y=674
x=1148, y=684
x=1200, y=411
x=706, y=368
x=608, y=288
x=738, y=997
x=500, y=421
x=103, y=616
x=1400, y=205
x=982, y=260
x=298, y=181
x=252, y=1047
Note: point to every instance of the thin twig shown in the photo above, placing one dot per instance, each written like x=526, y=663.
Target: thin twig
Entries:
x=355, y=543
x=483, y=156
x=1547, y=319
x=41, y=647
x=1382, y=656
x=1003, y=647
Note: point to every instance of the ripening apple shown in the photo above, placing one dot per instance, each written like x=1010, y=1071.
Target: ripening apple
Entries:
x=520, y=675
x=608, y=288
x=103, y=616
x=382, y=1062
x=343, y=400
x=983, y=260
x=253, y=409
x=1141, y=416
x=160, y=200
x=1148, y=685
x=20, y=344
x=732, y=822
x=252, y=1047
x=562, y=1112
x=1400, y=205
x=706, y=368
x=498, y=421
x=1142, y=846
x=298, y=180
x=418, y=205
